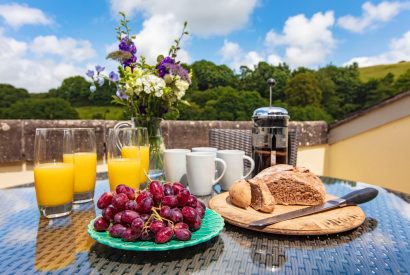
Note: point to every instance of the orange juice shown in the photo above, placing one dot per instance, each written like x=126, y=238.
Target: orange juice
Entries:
x=141, y=152
x=54, y=183
x=123, y=171
x=85, y=169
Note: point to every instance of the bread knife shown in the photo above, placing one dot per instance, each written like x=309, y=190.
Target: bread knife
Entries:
x=353, y=198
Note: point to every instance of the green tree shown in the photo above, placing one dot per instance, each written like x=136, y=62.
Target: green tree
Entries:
x=309, y=113
x=74, y=89
x=348, y=84
x=300, y=70
x=303, y=90
x=403, y=82
x=48, y=108
x=222, y=103
x=207, y=75
x=330, y=100
x=376, y=90
x=9, y=95
x=255, y=80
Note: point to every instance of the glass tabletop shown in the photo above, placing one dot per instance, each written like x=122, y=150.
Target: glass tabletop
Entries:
x=30, y=244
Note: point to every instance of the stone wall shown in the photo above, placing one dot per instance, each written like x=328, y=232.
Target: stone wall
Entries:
x=17, y=136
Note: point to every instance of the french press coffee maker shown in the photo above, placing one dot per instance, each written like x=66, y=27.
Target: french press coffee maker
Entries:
x=269, y=135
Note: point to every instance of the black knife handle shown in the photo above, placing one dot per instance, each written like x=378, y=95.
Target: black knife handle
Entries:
x=360, y=196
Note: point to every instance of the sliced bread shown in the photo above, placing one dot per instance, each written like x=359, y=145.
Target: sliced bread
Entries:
x=261, y=199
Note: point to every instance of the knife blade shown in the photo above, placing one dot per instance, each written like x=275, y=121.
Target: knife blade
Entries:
x=352, y=198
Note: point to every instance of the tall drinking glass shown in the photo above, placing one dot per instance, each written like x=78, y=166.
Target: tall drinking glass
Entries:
x=84, y=158
x=141, y=151
x=53, y=179
x=124, y=160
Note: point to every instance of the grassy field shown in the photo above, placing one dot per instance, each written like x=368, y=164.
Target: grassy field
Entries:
x=100, y=112
x=380, y=71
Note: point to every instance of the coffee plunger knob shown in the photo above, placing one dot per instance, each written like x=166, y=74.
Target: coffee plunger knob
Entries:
x=271, y=82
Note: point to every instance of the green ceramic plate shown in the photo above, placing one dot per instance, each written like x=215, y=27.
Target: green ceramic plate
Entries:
x=212, y=225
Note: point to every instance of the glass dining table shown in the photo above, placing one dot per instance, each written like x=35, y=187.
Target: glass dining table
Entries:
x=31, y=244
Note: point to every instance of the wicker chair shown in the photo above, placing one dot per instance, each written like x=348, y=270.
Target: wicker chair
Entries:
x=242, y=140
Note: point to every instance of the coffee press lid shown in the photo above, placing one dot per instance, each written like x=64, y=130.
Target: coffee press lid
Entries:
x=270, y=112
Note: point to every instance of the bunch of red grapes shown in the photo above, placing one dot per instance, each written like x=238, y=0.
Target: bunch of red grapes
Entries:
x=157, y=213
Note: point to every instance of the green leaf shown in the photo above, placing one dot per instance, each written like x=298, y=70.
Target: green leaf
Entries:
x=159, y=58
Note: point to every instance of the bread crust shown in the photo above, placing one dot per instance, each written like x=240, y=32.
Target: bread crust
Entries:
x=240, y=194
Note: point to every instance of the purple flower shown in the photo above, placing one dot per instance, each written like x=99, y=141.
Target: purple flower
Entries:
x=162, y=70
x=177, y=69
x=121, y=95
x=130, y=62
x=127, y=45
x=114, y=77
x=93, y=88
x=90, y=73
x=100, y=81
x=99, y=68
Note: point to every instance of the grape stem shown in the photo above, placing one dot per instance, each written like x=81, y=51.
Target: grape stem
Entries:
x=161, y=218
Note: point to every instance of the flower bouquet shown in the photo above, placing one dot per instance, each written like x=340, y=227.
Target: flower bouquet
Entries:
x=149, y=93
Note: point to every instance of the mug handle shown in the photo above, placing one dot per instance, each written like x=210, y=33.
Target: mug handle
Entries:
x=252, y=166
x=223, y=171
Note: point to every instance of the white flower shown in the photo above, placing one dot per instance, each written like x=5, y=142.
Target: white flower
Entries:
x=153, y=84
x=138, y=86
x=180, y=94
x=159, y=93
x=182, y=85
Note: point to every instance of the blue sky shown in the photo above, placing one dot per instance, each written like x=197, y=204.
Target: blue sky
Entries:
x=44, y=41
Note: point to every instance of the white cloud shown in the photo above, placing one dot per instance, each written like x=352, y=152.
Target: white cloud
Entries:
x=17, y=15
x=274, y=59
x=157, y=35
x=372, y=14
x=235, y=57
x=163, y=21
x=211, y=17
x=67, y=48
x=307, y=42
x=20, y=68
x=399, y=50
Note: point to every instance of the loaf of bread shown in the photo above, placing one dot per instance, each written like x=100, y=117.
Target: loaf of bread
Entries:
x=292, y=185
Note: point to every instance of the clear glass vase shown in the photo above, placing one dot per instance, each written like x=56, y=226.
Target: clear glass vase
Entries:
x=156, y=142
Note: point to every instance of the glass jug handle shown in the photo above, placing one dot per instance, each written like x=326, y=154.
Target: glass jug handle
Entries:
x=119, y=125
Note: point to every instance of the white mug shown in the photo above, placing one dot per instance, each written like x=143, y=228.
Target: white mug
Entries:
x=200, y=167
x=205, y=149
x=234, y=167
x=175, y=165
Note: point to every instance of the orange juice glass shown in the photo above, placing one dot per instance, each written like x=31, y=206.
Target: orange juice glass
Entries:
x=141, y=152
x=123, y=171
x=124, y=158
x=53, y=179
x=85, y=163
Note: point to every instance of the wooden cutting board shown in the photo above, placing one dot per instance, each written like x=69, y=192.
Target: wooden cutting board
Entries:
x=329, y=222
